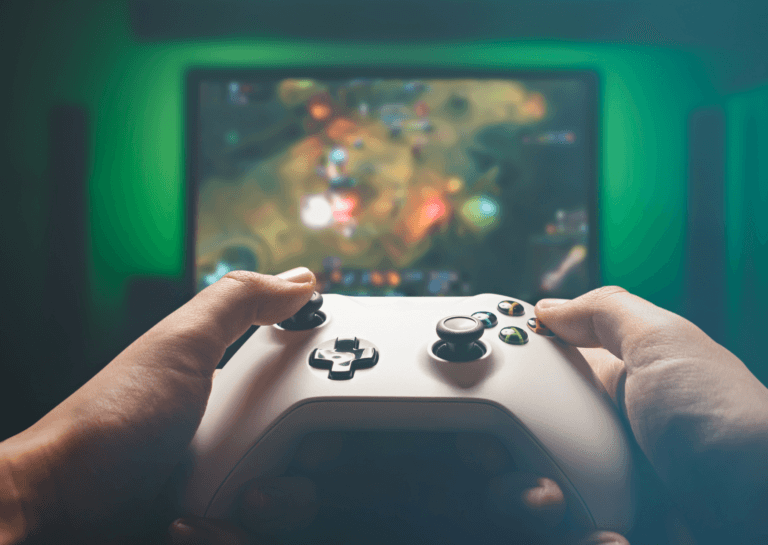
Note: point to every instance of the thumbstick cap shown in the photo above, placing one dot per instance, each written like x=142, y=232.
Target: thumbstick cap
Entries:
x=308, y=316
x=307, y=312
x=460, y=330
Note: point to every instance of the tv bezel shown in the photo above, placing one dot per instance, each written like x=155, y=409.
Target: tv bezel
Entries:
x=195, y=76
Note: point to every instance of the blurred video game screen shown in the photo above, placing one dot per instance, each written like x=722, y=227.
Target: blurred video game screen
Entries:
x=397, y=186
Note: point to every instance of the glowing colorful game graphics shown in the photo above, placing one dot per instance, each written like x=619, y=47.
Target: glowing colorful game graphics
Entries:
x=568, y=223
x=390, y=282
x=387, y=175
x=553, y=279
x=488, y=319
x=513, y=335
x=511, y=308
x=481, y=213
x=237, y=95
x=551, y=137
x=562, y=251
x=234, y=258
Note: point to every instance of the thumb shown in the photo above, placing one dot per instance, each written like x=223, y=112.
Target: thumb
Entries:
x=202, y=329
x=624, y=324
x=111, y=445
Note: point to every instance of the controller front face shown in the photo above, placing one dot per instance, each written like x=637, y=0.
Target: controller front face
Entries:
x=378, y=364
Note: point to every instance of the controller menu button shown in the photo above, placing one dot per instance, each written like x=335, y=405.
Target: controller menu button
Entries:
x=513, y=335
x=511, y=308
x=488, y=319
x=537, y=326
x=343, y=358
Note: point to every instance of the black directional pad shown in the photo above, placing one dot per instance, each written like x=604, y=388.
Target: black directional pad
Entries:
x=343, y=356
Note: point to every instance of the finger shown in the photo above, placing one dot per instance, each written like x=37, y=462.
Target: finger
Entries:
x=202, y=531
x=278, y=504
x=601, y=537
x=608, y=368
x=602, y=317
x=525, y=501
x=123, y=432
x=620, y=322
x=695, y=409
x=217, y=316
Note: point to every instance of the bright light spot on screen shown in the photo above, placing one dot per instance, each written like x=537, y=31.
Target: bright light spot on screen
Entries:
x=316, y=211
x=216, y=275
x=482, y=212
x=338, y=156
x=535, y=106
x=342, y=208
x=433, y=209
x=553, y=279
x=487, y=207
x=455, y=185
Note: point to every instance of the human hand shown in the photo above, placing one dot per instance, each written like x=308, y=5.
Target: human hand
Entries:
x=696, y=411
x=90, y=470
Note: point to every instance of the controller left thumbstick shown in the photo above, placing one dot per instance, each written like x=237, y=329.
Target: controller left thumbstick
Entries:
x=308, y=316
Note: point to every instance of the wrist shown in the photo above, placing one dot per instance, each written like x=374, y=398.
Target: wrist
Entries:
x=13, y=524
x=27, y=491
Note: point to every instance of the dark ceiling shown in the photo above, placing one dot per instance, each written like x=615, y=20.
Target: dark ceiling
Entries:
x=738, y=25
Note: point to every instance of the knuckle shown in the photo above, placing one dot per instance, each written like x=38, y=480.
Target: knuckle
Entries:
x=608, y=292
x=245, y=277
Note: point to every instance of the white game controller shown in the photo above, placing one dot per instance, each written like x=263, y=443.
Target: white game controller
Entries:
x=478, y=364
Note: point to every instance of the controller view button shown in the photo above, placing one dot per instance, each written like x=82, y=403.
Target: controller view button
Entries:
x=537, y=326
x=488, y=319
x=511, y=308
x=513, y=335
x=344, y=358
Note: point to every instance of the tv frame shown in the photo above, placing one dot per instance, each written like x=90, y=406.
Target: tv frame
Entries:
x=194, y=76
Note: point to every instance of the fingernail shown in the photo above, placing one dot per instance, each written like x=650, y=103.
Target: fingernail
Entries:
x=181, y=527
x=299, y=275
x=185, y=527
x=548, y=303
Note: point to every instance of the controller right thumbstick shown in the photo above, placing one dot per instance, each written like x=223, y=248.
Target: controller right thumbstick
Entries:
x=460, y=334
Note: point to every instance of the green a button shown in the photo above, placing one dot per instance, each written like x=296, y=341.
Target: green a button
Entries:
x=513, y=335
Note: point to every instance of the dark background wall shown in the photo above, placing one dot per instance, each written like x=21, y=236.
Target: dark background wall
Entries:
x=92, y=159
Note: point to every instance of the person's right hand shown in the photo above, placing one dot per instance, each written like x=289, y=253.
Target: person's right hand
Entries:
x=696, y=411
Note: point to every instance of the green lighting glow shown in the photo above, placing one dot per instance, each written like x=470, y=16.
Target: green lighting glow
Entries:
x=134, y=92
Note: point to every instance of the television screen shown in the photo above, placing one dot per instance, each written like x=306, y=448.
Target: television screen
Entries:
x=397, y=184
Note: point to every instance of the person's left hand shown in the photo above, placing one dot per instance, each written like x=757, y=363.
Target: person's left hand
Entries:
x=91, y=470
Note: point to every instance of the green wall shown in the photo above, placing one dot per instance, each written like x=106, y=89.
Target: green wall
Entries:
x=133, y=92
